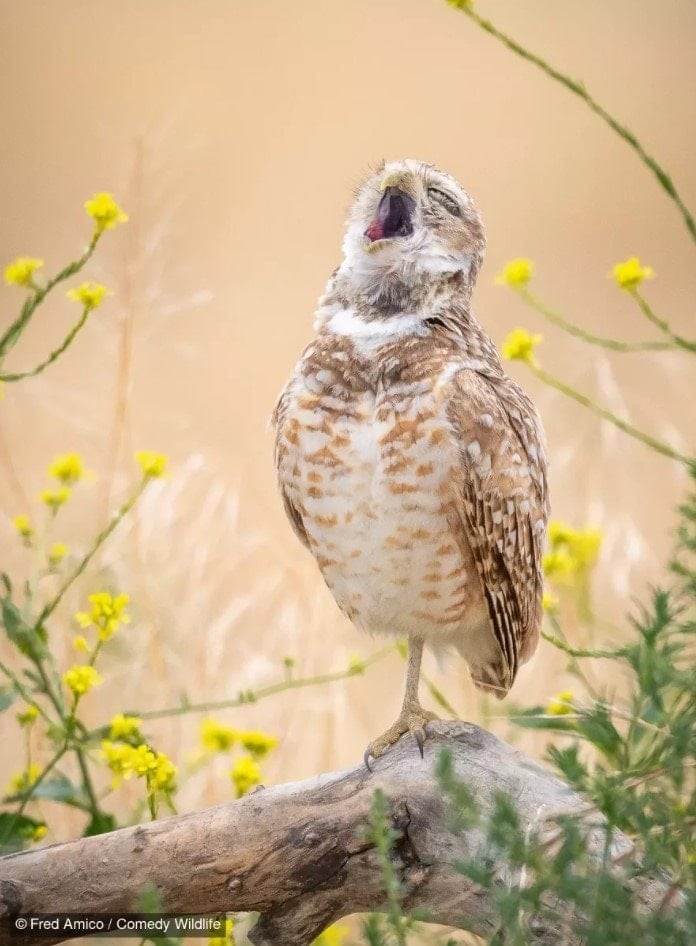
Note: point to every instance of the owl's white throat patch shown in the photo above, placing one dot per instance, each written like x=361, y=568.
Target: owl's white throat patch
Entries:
x=369, y=335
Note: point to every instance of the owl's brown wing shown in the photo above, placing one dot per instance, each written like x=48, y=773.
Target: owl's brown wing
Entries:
x=279, y=421
x=295, y=518
x=502, y=508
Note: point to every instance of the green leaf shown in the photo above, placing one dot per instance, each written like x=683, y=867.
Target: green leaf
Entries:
x=15, y=831
x=7, y=697
x=567, y=761
x=596, y=726
x=60, y=788
x=537, y=717
x=28, y=640
x=100, y=823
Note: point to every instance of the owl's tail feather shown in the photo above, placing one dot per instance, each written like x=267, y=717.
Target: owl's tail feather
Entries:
x=492, y=679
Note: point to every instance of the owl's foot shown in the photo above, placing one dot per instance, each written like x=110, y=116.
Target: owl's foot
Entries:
x=413, y=718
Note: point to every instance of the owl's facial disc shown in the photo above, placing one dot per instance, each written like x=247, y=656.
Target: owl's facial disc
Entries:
x=394, y=216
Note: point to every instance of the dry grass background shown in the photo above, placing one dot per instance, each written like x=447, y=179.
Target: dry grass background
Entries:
x=233, y=133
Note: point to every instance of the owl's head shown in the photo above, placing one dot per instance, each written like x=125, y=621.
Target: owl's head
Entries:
x=410, y=219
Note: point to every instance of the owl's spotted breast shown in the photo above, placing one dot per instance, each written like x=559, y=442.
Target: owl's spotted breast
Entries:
x=367, y=460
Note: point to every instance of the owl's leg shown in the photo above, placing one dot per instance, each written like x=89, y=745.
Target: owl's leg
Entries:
x=413, y=717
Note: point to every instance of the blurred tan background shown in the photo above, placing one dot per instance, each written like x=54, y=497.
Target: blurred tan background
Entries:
x=233, y=132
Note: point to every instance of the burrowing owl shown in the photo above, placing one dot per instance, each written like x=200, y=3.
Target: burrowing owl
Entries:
x=411, y=466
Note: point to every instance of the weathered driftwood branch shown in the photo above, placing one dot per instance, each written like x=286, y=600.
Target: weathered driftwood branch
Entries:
x=297, y=853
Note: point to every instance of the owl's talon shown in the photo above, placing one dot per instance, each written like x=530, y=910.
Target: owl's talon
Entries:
x=413, y=719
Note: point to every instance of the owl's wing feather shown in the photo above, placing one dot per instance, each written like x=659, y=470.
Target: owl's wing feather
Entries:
x=501, y=505
x=279, y=420
x=295, y=518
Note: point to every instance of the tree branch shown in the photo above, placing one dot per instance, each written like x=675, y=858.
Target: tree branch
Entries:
x=297, y=853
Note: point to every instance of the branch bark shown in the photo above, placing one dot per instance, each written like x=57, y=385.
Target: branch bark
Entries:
x=297, y=854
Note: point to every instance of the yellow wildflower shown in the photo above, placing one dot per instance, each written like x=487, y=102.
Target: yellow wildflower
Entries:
x=29, y=716
x=227, y=938
x=333, y=936
x=88, y=294
x=80, y=643
x=67, y=468
x=559, y=566
x=105, y=212
x=152, y=464
x=516, y=273
x=20, y=272
x=108, y=613
x=583, y=543
x=120, y=759
x=560, y=705
x=123, y=727
x=245, y=774
x=55, y=498
x=520, y=344
x=57, y=553
x=81, y=678
x=549, y=603
x=571, y=552
x=162, y=777
x=257, y=743
x=40, y=832
x=23, y=780
x=125, y=760
x=23, y=525
x=630, y=275
x=142, y=759
x=216, y=737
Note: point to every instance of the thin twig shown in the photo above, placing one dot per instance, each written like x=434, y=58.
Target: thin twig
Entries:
x=605, y=413
x=582, y=651
x=253, y=696
x=23, y=692
x=663, y=325
x=29, y=792
x=577, y=88
x=611, y=343
x=55, y=354
x=87, y=558
x=14, y=332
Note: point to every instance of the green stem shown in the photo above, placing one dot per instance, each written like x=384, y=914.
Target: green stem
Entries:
x=577, y=88
x=151, y=799
x=48, y=689
x=253, y=696
x=661, y=323
x=439, y=697
x=575, y=665
x=32, y=788
x=87, y=558
x=582, y=651
x=71, y=723
x=14, y=332
x=87, y=783
x=614, y=344
x=67, y=341
x=23, y=692
x=606, y=414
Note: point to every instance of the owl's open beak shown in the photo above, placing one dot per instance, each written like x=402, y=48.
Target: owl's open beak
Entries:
x=394, y=216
